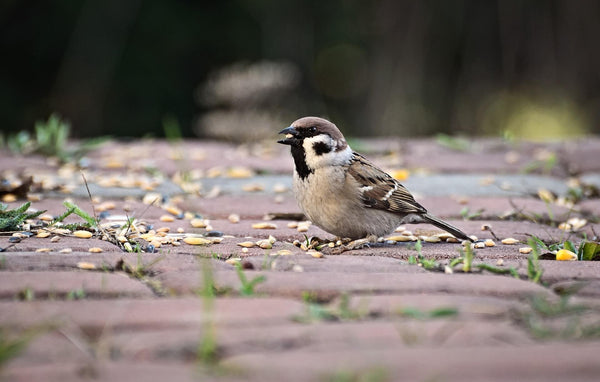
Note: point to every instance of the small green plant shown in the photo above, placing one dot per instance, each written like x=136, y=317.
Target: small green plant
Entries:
x=453, y=143
x=247, y=287
x=207, y=353
x=316, y=312
x=548, y=318
x=12, y=344
x=26, y=294
x=534, y=269
x=51, y=139
x=419, y=314
x=143, y=271
x=76, y=294
x=420, y=260
x=466, y=213
x=91, y=221
x=374, y=374
x=545, y=165
x=468, y=258
x=11, y=220
x=51, y=136
x=20, y=143
x=499, y=271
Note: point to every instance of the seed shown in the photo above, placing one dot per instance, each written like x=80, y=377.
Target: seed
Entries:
x=82, y=234
x=208, y=227
x=479, y=244
x=233, y=260
x=59, y=231
x=152, y=198
x=264, y=244
x=215, y=240
x=545, y=195
x=473, y=237
x=565, y=255
x=127, y=246
x=55, y=239
x=95, y=250
x=297, y=268
x=509, y=241
x=448, y=270
x=198, y=223
x=316, y=254
x=244, y=250
x=173, y=210
x=284, y=252
x=9, y=198
x=86, y=265
x=264, y=226
x=489, y=243
x=565, y=226
x=196, y=240
x=240, y=172
x=34, y=197
x=452, y=240
x=253, y=187
x=43, y=250
x=109, y=205
x=525, y=250
x=156, y=243
x=43, y=234
x=163, y=229
x=577, y=223
x=180, y=230
x=167, y=218
x=500, y=262
x=432, y=239
x=272, y=239
x=444, y=235
x=302, y=228
x=246, y=244
x=406, y=233
x=399, y=238
x=66, y=250
x=46, y=217
x=234, y=218
x=400, y=229
x=280, y=188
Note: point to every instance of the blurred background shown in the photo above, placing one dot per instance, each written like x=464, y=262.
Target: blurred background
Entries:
x=242, y=69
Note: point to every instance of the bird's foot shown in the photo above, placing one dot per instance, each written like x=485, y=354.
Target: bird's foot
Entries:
x=355, y=244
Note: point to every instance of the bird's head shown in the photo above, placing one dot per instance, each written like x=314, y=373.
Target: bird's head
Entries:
x=319, y=141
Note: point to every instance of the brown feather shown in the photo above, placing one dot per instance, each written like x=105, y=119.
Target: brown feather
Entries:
x=378, y=185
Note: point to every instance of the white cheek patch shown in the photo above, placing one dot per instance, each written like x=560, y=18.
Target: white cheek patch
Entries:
x=315, y=160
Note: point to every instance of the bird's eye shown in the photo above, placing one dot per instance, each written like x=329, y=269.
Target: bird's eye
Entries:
x=313, y=129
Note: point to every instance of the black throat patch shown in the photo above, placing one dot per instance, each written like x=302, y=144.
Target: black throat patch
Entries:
x=300, y=161
x=321, y=148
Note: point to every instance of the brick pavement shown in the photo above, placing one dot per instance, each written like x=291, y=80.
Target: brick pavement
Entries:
x=367, y=314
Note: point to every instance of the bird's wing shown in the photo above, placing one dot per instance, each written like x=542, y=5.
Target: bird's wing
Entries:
x=380, y=190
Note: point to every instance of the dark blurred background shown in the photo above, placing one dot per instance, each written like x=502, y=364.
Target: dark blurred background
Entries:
x=250, y=67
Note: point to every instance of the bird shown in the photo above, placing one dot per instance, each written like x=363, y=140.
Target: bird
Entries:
x=342, y=192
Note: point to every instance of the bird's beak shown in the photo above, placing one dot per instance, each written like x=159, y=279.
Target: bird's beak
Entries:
x=290, y=136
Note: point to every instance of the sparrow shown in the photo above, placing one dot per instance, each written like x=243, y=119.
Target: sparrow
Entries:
x=342, y=192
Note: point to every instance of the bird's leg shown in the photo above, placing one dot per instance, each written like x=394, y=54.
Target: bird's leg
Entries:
x=355, y=244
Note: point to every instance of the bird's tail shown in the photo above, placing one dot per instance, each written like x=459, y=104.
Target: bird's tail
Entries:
x=445, y=226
